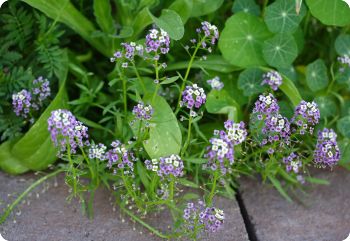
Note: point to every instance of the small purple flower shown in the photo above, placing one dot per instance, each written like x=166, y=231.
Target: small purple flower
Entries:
x=41, y=90
x=98, y=151
x=327, y=152
x=215, y=83
x=235, y=132
x=277, y=128
x=344, y=60
x=143, y=112
x=128, y=53
x=265, y=105
x=121, y=157
x=166, y=166
x=306, y=116
x=210, y=31
x=157, y=41
x=212, y=218
x=292, y=163
x=66, y=131
x=273, y=79
x=21, y=102
x=193, y=97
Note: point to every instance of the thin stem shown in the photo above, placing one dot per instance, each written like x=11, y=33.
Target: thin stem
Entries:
x=157, y=78
x=91, y=204
x=25, y=193
x=139, y=78
x=73, y=170
x=188, y=136
x=125, y=97
x=213, y=188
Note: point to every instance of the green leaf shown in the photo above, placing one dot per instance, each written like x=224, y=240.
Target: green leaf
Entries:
x=317, y=181
x=242, y=39
x=141, y=171
x=103, y=15
x=8, y=162
x=169, y=80
x=345, y=110
x=330, y=12
x=344, y=147
x=343, y=126
x=249, y=81
x=196, y=160
x=170, y=22
x=247, y=6
x=299, y=39
x=316, y=75
x=165, y=136
x=220, y=102
x=279, y=188
x=141, y=21
x=327, y=106
x=344, y=77
x=183, y=8
x=204, y=7
x=187, y=183
x=280, y=51
x=213, y=62
x=281, y=16
x=342, y=44
x=65, y=12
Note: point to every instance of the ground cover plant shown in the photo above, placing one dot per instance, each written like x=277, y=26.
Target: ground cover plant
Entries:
x=168, y=103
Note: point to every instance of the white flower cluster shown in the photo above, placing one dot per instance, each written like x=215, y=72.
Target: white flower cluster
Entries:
x=220, y=147
x=98, y=152
x=215, y=83
x=236, y=133
x=309, y=107
x=219, y=214
x=154, y=34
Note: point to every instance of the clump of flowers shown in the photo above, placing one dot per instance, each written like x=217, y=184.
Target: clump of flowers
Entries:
x=142, y=111
x=235, y=132
x=66, y=131
x=21, y=102
x=120, y=156
x=292, y=163
x=306, y=116
x=41, y=89
x=327, y=152
x=193, y=97
x=127, y=54
x=277, y=128
x=344, y=60
x=97, y=151
x=166, y=166
x=215, y=83
x=210, y=31
x=157, y=41
x=273, y=79
x=265, y=106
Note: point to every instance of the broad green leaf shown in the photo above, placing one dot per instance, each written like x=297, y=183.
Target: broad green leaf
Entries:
x=345, y=110
x=183, y=8
x=327, y=106
x=286, y=109
x=316, y=75
x=299, y=39
x=343, y=77
x=344, y=146
x=281, y=16
x=141, y=21
x=169, y=80
x=170, y=22
x=65, y=12
x=103, y=15
x=165, y=134
x=330, y=12
x=289, y=72
x=280, y=51
x=242, y=39
x=8, y=162
x=213, y=62
x=343, y=126
x=204, y=7
x=342, y=44
x=250, y=81
x=247, y=6
x=220, y=102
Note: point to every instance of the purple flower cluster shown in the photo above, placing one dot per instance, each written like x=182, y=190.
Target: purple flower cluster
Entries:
x=306, y=116
x=41, y=90
x=128, y=53
x=222, y=146
x=143, y=112
x=157, y=40
x=265, y=106
x=166, y=166
x=122, y=157
x=292, y=163
x=210, y=218
x=66, y=131
x=193, y=97
x=210, y=31
x=327, y=152
x=273, y=79
x=277, y=128
x=215, y=83
x=21, y=102
x=97, y=151
x=345, y=60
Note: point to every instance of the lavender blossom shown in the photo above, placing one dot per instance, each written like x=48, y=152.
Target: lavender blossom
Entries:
x=157, y=42
x=143, y=112
x=21, y=102
x=292, y=163
x=344, y=60
x=98, y=151
x=306, y=116
x=128, y=53
x=120, y=156
x=212, y=218
x=265, y=106
x=41, y=90
x=193, y=97
x=235, y=132
x=277, y=128
x=327, y=153
x=166, y=166
x=215, y=83
x=273, y=79
x=66, y=131
x=210, y=31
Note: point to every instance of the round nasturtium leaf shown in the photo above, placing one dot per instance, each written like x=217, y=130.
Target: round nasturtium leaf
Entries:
x=241, y=40
x=316, y=75
x=280, y=51
x=204, y=7
x=345, y=110
x=344, y=146
x=250, y=81
x=344, y=77
x=330, y=12
x=289, y=72
x=342, y=44
x=343, y=126
x=171, y=22
x=281, y=16
x=247, y=6
x=299, y=39
x=327, y=106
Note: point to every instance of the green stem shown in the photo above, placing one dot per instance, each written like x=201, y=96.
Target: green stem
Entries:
x=264, y=7
x=25, y=193
x=213, y=188
x=91, y=204
x=157, y=78
x=188, y=136
x=73, y=170
x=140, y=78
x=125, y=97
